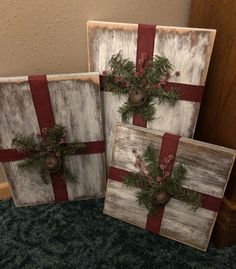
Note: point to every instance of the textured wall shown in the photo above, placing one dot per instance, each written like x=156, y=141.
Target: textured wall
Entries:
x=49, y=36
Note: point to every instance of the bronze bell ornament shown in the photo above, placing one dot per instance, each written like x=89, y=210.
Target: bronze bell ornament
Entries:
x=53, y=163
x=138, y=97
x=160, y=198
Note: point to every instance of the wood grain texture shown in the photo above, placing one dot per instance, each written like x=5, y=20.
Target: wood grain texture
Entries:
x=76, y=105
x=208, y=168
x=5, y=191
x=217, y=118
x=189, y=50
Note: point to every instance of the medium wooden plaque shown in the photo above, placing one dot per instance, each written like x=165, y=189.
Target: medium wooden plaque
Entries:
x=208, y=168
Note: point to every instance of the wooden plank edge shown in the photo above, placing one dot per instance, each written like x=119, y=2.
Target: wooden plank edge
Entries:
x=94, y=76
x=229, y=204
x=184, y=139
x=5, y=191
x=134, y=26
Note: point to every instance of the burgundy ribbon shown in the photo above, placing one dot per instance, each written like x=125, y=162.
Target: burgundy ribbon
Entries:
x=145, y=45
x=43, y=108
x=11, y=155
x=168, y=147
x=42, y=102
x=188, y=92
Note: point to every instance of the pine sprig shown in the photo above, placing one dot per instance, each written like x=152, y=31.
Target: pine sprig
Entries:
x=158, y=68
x=136, y=180
x=144, y=198
x=44, y=175
x=55, y=134
x=24, y=143
x=126, y=111
x=150, y=157
x=121, y=66
x=52, y=144
x=170, y=97
x=122, y=78
x=71, y=148
x=147, y=110
x=66, y=173
x=155, y=180
x=34, y=160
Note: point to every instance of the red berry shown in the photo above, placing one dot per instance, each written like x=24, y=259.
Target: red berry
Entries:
x=177, y=73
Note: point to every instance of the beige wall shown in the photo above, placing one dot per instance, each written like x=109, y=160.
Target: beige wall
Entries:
x=49, y=36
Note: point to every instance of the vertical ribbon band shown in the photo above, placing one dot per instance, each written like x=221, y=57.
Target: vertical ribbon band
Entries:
x=145, y=44
x=169, y=147
x=42, y=102
x=43, y=108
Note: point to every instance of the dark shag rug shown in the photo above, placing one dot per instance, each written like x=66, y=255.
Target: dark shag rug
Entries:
x=78, y=235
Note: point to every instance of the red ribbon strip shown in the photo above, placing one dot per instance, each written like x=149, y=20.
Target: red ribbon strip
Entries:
x=43, y=108
x=145, y=45
x=42, y=103
x=153, y=223
x=188, y=92
x=11, y=155
x=169, y=147
x=209, y=202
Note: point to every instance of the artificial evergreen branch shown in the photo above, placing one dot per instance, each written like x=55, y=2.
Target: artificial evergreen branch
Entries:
x=153, y=178
x=51, y=145
x=122, y=78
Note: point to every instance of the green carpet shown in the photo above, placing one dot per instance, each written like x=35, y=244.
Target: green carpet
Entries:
x=78, y=235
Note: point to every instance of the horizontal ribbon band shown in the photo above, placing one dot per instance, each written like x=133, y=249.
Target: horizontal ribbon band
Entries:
x=187, y=92
x=92, y=148
x=209, y=202
x=12, y=155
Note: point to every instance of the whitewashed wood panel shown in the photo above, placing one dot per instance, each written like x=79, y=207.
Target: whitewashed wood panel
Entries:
x=76, y=105
x=208, y=168
x=188, y=49
x=179, y=221
x=208, y=165
x=186, y=226
x=118, y=196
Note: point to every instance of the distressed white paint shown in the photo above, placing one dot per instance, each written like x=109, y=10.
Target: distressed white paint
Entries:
x=121, y=203
x=188, y=49
x=76, y=105
x=180, y=119
x=186, y=226
x=208, y=169
x=26, y=185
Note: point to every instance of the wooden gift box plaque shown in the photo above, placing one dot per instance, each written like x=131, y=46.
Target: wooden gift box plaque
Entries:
x=75, y=104
x=188, y=49
x=208, y=167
